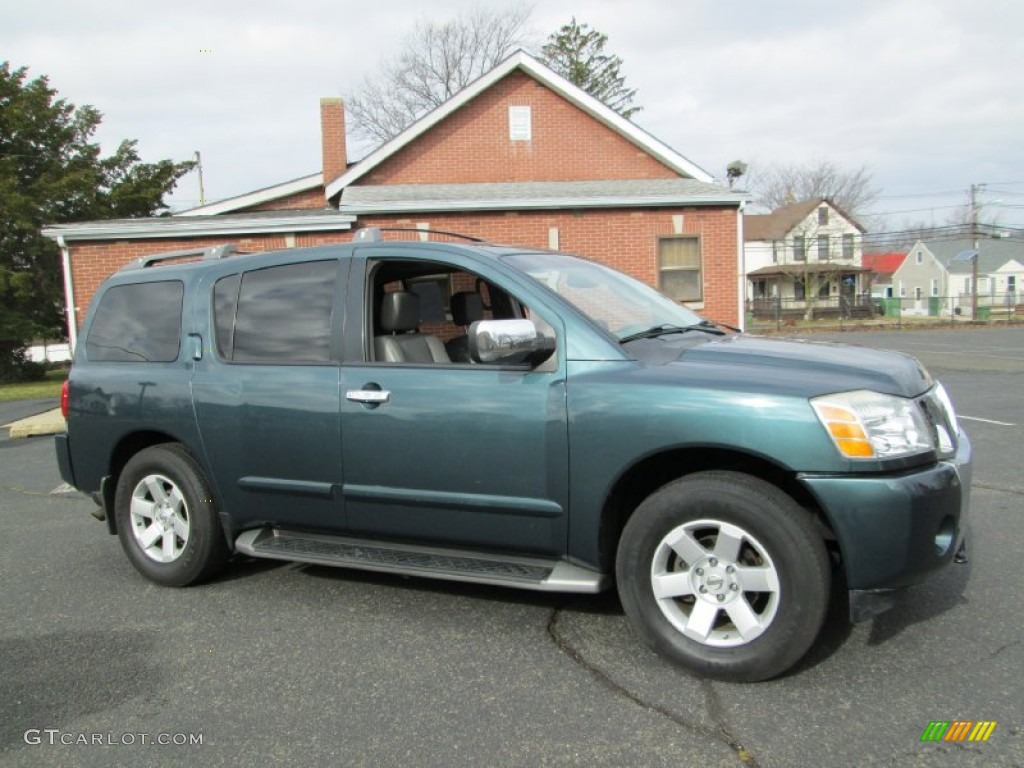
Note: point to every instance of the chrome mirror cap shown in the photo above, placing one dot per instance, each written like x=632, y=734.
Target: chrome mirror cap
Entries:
x=508, y=342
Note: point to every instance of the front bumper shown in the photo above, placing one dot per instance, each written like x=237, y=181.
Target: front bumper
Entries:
x=894, y=530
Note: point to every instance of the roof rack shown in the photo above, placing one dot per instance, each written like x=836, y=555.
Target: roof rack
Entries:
x=208, y=253
x=372, y=234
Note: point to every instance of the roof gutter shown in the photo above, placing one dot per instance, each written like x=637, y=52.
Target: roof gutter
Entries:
x=741, y=253
x=173, y=227
x=551, y=203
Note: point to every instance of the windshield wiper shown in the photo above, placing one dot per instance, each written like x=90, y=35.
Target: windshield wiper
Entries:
x=716, y=324
x=704, y=326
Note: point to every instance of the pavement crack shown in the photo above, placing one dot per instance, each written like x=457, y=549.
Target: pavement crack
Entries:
x=1002, y=648
x=999, y=488
x=712, y=703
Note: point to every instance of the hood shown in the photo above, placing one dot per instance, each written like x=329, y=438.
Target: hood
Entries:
x=809, y=367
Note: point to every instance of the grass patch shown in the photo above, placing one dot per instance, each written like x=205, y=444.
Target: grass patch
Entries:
x=32, y=390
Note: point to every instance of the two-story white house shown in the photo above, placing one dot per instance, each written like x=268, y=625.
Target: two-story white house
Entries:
x=805, y=259
x=937, y=277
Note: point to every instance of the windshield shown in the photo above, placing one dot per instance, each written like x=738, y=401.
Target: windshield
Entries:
x=618, y=303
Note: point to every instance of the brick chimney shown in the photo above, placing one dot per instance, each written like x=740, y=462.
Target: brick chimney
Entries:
x=332, y=138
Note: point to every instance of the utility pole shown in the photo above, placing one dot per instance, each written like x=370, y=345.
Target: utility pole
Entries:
x=977, y=253
x=199, y=167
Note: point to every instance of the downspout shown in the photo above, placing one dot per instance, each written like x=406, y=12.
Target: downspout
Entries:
x=742, y=316
x=69, y=292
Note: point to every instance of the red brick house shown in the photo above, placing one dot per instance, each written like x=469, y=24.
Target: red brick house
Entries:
x=520, y=156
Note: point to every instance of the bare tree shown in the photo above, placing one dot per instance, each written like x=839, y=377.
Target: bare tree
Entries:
x=438, y=60
x=779, y=185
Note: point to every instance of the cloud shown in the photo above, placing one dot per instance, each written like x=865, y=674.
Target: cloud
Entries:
x=926, y=93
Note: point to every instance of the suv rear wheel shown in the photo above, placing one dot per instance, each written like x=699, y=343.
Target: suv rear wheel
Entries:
x=724, y=574
x=166, y=518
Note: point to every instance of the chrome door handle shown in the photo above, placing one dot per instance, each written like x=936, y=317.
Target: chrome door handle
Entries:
x=371, y=396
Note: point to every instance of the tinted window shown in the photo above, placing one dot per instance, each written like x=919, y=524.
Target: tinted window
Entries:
x=284, y=314
x=137, y=323
x=225, y=299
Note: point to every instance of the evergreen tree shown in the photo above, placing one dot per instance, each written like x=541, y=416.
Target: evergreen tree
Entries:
x=576, y=52
x=51, y=172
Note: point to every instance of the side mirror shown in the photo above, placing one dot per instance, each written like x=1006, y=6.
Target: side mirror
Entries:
x=508, y=342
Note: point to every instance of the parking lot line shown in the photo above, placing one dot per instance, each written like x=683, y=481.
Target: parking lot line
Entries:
x=986, y=421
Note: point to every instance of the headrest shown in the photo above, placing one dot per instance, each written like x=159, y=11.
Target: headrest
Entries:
x=467, y=308
x=399, y=312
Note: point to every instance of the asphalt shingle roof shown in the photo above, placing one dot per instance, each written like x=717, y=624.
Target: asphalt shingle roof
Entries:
x=659, y=191
x=994, y=253
x=780, y=222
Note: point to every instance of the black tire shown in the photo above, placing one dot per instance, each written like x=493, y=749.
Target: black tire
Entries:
x=744, y=584
x=174, y=507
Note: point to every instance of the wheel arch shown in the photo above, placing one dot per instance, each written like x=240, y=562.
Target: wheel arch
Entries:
x=126, y=447
x=652, y=472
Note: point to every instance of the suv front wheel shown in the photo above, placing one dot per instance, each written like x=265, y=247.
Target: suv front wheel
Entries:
x=724, y=574
x=166, y=518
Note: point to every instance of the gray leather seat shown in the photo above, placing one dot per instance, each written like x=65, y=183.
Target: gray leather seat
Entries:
x=400, y=343
x=467, y=308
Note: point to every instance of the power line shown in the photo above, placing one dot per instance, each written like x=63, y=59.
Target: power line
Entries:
x=922, y=194
x=914, y=210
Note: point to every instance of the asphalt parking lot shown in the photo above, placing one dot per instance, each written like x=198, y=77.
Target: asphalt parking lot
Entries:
x=279, y=664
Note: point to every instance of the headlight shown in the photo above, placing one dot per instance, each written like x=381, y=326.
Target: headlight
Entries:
x=943, y=415
x=870, y=425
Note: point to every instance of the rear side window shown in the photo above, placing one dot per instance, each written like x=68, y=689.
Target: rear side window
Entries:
x=277, y=315
x=225, y=299
x=137, y=323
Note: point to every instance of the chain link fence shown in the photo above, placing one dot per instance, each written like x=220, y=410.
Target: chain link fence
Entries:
x=866, y=312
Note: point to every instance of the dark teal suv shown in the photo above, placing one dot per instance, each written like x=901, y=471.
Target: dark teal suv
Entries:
x=504, y=416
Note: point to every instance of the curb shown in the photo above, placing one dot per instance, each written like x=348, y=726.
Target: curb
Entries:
x=46, y=423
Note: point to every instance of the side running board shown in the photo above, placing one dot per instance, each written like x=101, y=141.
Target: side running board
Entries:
x=431, y=562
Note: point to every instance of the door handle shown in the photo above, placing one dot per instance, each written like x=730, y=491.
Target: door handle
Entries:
x=197, y=346
x=368, y=396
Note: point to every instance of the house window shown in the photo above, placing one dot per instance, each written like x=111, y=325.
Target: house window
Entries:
x=799, y=248
x=917, y=293
x=824, y=290
x=823, y=216
x=1011, y=284
x=919, y=258
x=775, y=251
x=519, y=124
x=823, y=247
x=679, y=268
x=935, y=286
x=799, y=289
x=847, y=246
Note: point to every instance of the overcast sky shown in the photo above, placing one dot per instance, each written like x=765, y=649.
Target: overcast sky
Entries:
x=928, y=94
